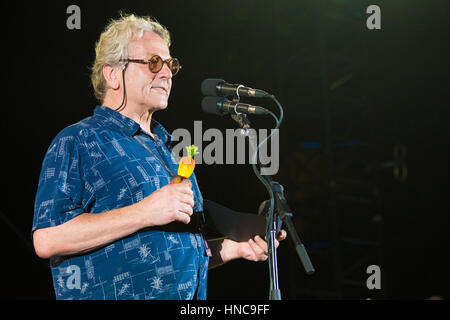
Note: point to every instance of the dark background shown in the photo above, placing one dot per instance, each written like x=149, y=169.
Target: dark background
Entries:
x=356, y=93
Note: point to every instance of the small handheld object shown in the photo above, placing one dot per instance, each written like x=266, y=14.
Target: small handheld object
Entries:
x=186, y=165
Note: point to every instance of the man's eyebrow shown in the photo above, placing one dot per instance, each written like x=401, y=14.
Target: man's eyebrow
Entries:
x=152, y=55
x=155, y=54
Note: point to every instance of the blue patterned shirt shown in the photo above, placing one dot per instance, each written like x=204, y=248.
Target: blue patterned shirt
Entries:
x=100, y=164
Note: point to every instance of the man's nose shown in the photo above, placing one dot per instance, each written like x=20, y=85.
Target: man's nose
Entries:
x=165, y=71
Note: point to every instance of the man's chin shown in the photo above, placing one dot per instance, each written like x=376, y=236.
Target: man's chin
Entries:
x=156, y=107
x=163, y=105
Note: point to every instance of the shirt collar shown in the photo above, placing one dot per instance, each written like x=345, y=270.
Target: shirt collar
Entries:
x=128, y=126
x=161, y=132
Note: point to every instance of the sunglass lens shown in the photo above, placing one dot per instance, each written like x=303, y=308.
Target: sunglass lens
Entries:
x=155, y=64
x=174, y=66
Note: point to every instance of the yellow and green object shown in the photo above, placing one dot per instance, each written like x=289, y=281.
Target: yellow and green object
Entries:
x=186, y=165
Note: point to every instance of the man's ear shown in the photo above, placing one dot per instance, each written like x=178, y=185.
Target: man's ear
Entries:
x=113, y=76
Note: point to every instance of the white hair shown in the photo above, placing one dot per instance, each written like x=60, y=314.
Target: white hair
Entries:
x=113, y=45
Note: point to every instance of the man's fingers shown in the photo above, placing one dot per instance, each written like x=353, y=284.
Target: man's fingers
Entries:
x=189, y=200
x=259, y=246
x=185, y=189
x=262, y=244
x=182, y=187
x=188, y=182
x=259, y=254
x=183, y=217
x=282, y=235
x=186, y=209
x=184, y=193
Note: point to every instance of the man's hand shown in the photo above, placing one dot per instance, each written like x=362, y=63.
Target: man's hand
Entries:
x=173, y=202
x=256, y=249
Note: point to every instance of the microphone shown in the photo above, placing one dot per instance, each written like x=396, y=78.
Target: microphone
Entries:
x=221, y=106
x=218, y=87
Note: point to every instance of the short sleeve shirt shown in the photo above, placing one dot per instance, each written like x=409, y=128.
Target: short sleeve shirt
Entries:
x=106, y=162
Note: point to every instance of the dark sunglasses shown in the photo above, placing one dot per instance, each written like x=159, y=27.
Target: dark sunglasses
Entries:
x=156, y=63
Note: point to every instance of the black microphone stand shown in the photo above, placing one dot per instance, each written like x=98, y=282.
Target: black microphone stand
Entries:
x=283, y=212
x=272, y=227
x=278, y=213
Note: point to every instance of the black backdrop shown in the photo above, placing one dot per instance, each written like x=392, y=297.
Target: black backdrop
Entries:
x=401, y=72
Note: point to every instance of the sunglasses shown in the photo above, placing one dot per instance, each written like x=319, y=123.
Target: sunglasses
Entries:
x=156, y=63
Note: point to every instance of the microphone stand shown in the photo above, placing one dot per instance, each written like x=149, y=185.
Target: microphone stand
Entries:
x=272, y=227
x=280, y=213
x=284, y=213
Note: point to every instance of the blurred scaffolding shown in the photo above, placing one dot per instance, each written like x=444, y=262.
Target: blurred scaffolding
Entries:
x=334, y=174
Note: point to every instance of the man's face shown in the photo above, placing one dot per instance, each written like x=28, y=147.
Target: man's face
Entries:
x=144, y=88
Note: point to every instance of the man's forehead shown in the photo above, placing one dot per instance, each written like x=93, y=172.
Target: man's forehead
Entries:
x=149, y=44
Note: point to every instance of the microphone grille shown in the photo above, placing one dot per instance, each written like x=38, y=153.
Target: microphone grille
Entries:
x=209, y=86
x=209, y=105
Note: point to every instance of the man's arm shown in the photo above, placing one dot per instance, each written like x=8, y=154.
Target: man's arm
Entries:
x=226, y=250
x=89, y=231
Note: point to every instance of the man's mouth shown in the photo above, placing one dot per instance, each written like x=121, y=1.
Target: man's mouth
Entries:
x=162, y=90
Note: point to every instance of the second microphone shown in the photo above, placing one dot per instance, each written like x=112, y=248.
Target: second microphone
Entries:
x=221, y=106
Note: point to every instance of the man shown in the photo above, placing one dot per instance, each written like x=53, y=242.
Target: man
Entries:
x=106, y=214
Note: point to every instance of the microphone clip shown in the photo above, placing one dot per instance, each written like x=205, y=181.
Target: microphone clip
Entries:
x=240, y=118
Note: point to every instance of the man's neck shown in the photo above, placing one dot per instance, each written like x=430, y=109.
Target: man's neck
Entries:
x=143, y=117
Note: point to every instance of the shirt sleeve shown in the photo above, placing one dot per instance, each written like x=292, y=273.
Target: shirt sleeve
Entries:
x=63, y=193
